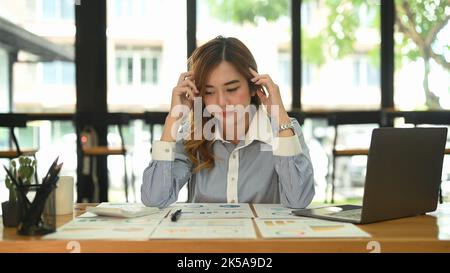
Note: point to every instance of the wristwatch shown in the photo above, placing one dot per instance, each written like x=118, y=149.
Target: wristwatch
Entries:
x=286, y=126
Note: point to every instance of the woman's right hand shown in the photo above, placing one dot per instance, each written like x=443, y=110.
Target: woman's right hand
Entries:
x=184, y=93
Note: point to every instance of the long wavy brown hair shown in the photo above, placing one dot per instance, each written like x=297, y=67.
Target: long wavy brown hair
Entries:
x=202, y=61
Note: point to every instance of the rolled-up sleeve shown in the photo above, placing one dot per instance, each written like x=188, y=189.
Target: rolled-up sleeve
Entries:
x=169, y=170
x=294, y=168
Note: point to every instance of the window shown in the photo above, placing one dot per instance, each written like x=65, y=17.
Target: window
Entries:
x=373, y=75
x=58, y=73
x=4, y=81
x=307, y=11
x=149, y=70
x=341, y=41
x=124, y=70
x=137, y=67
x=37, y=84
x=49, y=9
x=146, y=54
x=285, y=67
x=50, y=72
x=422, y=82
x=68, y=73
x=63, y=143
x=365, y=74
x=58, y=9
x=28, y=137
x=357, y=72
x=53, y=138
x=307, y=70
x=263, y=26
x=123, y=8
x=134, y=9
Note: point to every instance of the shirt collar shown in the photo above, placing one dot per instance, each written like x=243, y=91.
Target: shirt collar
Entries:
x=260, y=128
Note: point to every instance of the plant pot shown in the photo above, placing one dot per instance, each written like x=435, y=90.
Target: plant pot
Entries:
x=11, y=214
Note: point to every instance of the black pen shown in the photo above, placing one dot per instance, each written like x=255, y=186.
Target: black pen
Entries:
x=176, y=215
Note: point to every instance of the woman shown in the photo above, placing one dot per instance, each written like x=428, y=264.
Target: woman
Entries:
x=237, y=150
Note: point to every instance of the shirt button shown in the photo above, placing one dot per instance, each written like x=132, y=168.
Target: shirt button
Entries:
x=232, y=179
x=167, y=150
x=234, y=156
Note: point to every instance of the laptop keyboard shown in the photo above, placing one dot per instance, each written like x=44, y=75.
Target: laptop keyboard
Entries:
x=350, y=214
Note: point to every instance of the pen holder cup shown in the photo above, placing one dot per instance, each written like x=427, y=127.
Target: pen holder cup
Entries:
x=38, y=217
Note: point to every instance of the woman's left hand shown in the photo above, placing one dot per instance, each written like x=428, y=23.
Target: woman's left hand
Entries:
x=271, y=100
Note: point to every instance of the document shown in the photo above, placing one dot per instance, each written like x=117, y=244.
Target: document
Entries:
x=273, y=211
x=106, y=228
x=307, y=228
x=205, y=229
x=213, y=210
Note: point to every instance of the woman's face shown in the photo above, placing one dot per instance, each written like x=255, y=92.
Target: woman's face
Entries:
x=226, y=92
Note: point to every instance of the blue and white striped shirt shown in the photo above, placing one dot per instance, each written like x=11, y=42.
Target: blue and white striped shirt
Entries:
x=260, y=169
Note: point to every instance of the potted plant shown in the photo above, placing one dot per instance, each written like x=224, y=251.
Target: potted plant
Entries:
x=24, y=172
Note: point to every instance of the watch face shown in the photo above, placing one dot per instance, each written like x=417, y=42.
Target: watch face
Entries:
x=286, y=126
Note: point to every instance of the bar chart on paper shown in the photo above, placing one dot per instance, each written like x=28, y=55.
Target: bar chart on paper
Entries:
x=309, y=228
x=106, y=228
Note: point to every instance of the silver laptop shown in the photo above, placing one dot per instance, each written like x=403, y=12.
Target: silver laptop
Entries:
x=404, y=170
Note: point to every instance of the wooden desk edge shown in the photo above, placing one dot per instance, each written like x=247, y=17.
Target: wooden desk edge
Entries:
x=226, y=246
